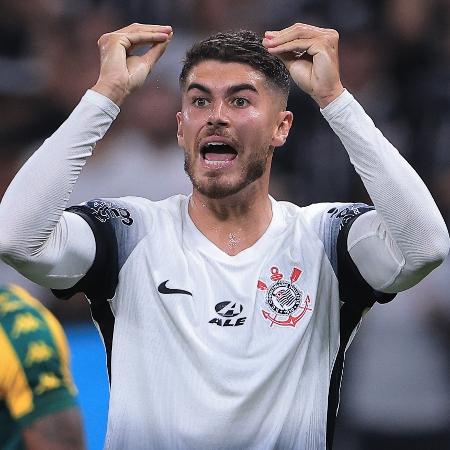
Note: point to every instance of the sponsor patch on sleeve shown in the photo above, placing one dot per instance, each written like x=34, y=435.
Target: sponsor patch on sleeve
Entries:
x=104, y=211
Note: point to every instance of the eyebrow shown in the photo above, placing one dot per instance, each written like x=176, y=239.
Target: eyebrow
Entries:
x=231, y=90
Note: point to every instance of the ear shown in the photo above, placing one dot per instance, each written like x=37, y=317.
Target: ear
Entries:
x=180, y=131
x=284, y=123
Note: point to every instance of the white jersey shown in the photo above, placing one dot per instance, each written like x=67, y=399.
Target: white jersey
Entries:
x=211, y=351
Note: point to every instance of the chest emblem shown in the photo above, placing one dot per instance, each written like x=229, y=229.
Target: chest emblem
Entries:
x=285, y=304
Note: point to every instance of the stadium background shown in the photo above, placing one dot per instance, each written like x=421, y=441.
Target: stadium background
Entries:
x=395, y=58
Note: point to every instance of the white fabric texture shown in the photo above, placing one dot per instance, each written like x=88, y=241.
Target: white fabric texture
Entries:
x=405, y=241
x=207, y=362
x=406, y=238
x=33, y=239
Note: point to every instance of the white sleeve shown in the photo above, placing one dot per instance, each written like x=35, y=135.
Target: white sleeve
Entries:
x=405, y=238
x=46, y=246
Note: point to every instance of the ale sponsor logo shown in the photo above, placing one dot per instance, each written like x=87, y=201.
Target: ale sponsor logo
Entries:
x=228, y=312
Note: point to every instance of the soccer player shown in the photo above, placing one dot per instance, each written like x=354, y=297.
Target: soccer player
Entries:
x=38, y=409
x=225, y=314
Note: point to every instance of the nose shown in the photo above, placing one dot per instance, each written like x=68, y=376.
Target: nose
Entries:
x=218, y=115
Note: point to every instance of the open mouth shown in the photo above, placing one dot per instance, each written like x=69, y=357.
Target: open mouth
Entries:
x=218, y=154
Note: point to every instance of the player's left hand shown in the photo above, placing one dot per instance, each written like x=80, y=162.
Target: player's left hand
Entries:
x=311, y=56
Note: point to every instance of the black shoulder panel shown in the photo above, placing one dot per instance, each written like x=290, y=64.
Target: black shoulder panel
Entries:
x=357, y=295
x=352, y=286
x=101, y=279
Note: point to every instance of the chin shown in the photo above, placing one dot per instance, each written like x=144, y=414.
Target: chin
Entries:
x=216, y=186
x=218, y=192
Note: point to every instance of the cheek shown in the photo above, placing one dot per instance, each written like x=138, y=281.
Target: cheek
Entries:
x=250, y=120
x=190, y=125
x=186, y=115
x=257, y=127
x=255, y=115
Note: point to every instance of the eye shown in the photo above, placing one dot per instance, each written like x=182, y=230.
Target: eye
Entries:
x=200, y=102
x=240, y=102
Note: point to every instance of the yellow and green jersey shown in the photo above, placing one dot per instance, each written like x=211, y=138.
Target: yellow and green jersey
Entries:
x=35, y=379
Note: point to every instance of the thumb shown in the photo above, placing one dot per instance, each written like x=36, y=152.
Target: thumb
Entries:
x=151, y=56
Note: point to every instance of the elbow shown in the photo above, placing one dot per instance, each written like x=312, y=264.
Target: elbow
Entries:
x=434, y=253
x=440, y=247
x=10, y=252
x=419, y=261
x=5, y=245
x=442, y=254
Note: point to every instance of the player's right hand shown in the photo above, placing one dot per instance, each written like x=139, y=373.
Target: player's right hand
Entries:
x=121, y=72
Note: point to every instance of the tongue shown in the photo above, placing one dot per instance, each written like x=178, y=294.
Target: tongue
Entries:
x=219, y=156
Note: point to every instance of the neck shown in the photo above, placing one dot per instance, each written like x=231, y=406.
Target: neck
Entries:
x=233, y=223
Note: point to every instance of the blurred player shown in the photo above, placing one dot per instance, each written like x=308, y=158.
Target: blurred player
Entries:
x=226, y=314
x=38, y=409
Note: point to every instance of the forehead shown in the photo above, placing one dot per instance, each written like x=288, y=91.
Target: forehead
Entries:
x=221, y=75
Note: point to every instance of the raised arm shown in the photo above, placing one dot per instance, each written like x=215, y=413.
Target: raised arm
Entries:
x=405, y=238
x=45, y=245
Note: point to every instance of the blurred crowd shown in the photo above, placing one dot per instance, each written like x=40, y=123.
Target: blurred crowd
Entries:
x=395, y=59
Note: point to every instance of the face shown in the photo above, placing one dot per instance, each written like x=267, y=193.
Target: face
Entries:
x=230, y=122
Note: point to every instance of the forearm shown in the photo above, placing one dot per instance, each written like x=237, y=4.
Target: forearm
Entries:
x=32, y=207
x=408, y=220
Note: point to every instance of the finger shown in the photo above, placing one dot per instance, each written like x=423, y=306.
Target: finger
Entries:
x=299, y=32
x=133, y=39
x=113, y=41
x=298, y=25
x=303, y=26
x=298, y=45
x=140, y=27
x=152, y=55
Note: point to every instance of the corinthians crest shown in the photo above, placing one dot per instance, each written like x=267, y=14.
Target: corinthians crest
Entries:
x=286, y=303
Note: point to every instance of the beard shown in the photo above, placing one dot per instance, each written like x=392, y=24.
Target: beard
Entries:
x=215, y=186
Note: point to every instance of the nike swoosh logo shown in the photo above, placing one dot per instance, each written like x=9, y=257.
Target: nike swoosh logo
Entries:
x=165, y=290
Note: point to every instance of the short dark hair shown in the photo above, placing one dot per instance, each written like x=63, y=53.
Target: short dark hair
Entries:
x=242, y=47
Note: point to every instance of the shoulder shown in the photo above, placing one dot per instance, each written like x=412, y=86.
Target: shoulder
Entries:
x=26, y=321
x=128, y=211
x=127, y=220
x=319, y=216
x=119, y=226
x=330, y=222
x=34, y=347
x=23, y=317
